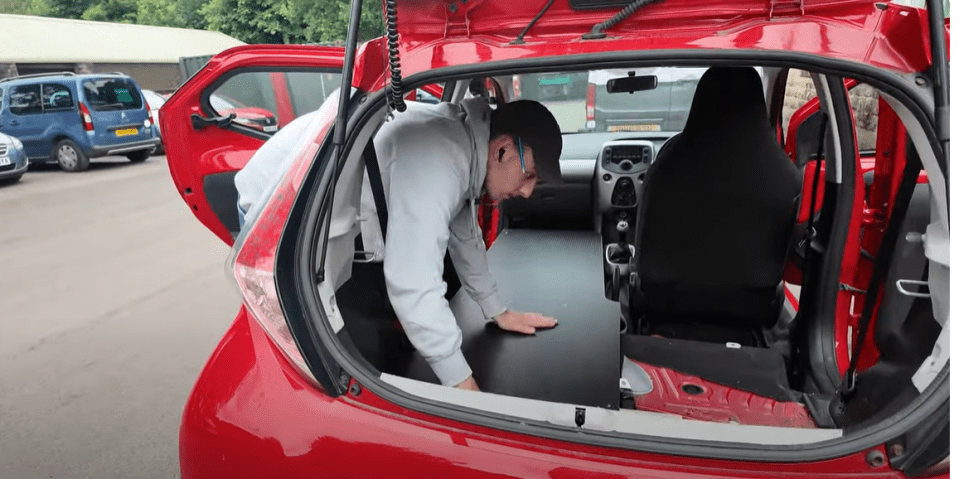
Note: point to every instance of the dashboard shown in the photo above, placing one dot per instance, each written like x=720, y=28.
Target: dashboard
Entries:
x=595, y=165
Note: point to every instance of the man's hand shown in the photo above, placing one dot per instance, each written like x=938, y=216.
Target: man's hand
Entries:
x=525, y=323
x=469, y=384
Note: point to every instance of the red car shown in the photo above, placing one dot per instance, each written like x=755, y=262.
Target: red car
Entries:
x=760, y=292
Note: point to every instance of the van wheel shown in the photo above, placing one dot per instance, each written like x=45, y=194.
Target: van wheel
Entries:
x=138, y=156
x=70, y=157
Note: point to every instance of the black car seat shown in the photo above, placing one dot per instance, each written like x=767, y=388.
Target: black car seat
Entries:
x=717, y=212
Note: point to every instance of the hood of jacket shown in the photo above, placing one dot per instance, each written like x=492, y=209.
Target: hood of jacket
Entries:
x=475, y=114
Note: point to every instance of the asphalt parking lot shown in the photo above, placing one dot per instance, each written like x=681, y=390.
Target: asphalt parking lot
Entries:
x=112, y=297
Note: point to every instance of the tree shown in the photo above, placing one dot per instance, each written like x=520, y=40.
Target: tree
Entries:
x=252, y=21
x=172, y=13
x=117, y=11
x=17, y=7
x=291, y=21
x=327, y=20
x=60, y=8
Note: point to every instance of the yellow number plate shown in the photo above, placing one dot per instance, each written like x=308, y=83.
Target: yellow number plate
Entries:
x=653, y=127
x=127, y=132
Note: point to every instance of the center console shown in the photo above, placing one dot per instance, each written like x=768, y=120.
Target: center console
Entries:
x=620, y=172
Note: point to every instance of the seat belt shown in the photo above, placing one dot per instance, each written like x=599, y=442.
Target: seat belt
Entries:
x=887, y=247
x=805, y=245
x=820, y=153
x=376, y=185
x=379, y=200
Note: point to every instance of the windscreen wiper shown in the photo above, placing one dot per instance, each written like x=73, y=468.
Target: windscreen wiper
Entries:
x=599, y=29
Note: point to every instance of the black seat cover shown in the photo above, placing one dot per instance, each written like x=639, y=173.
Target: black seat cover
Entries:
x=718, y=209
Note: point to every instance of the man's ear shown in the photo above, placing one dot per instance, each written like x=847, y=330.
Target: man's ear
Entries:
x=499, y=145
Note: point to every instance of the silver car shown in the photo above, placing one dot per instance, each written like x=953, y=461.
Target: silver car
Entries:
x=13, y=160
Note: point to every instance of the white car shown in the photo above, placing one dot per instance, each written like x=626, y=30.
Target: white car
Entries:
x=155, y=100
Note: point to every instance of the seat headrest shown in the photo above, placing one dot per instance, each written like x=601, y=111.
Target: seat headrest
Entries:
x=727, y=93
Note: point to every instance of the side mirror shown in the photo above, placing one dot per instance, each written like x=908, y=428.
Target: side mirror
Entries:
x=632, y=84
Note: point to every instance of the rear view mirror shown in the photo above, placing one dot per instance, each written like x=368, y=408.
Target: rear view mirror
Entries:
x=632, y=84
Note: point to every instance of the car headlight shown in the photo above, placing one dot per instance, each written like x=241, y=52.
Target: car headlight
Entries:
x=17, y=143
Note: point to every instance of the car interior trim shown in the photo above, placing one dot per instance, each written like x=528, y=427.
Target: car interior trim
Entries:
x=833, y=172
x=605, y=420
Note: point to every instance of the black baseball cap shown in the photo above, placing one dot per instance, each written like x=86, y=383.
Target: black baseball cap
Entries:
x=537, y=128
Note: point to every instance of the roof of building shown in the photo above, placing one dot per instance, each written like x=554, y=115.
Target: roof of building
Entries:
x=25, y=38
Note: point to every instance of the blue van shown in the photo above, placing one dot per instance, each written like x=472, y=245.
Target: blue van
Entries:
x=68, y=118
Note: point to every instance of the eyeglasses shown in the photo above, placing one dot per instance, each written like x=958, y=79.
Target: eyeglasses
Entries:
x=529, y=175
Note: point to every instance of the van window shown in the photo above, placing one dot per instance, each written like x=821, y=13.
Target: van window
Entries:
x=25, y=100
x=56, y=97
x=109, y=94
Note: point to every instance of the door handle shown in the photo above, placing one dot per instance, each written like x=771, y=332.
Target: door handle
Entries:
x=200, y=122
x=14, y=122
x=903, y=283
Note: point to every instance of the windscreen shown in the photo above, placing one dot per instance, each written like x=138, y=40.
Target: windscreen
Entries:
x=581, y=103
x=111, y=94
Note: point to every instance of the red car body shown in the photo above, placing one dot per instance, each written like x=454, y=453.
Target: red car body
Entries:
x=254, y=414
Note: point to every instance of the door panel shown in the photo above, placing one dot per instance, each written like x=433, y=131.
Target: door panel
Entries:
x=203, y=156
x=25, y=120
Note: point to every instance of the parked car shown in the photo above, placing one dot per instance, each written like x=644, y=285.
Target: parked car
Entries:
x=13, y=159
x=663, y=108
x=69, y=119
x=550, y=86
x=155, y=101
x=704, y=366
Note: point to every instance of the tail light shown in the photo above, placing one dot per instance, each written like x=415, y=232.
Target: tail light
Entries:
x=590, y=102
x=254, y=255
x=149, y=115
x=86, y=118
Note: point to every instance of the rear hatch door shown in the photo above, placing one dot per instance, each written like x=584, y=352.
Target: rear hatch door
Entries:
x=117, y=108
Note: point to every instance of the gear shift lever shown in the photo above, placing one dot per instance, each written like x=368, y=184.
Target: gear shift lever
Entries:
x=622, y=227
x=622, y=253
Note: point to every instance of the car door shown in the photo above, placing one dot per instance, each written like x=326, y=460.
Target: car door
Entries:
x=206, y=147
x=24, y=120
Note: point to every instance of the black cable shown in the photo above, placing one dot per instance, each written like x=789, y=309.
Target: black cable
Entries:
x=519, y=38
x=395, y=97
x=599, y=28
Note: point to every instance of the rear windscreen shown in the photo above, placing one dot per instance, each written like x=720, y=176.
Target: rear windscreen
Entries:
x=107, y=94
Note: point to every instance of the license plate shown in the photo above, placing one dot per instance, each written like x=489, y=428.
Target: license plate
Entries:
x=127, y=132
x=270, y=129
x=652, y=127
x=4, y=161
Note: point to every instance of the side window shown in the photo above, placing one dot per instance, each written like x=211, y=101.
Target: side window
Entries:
x=863, y=98
x=865, y=106
x=25, y=100
x=56, y=97
x=799, y=90
x=268, y=101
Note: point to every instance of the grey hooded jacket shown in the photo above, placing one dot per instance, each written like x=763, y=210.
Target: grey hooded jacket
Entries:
x=433, y=164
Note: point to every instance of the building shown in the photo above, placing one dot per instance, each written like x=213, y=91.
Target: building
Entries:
x=30, y=45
